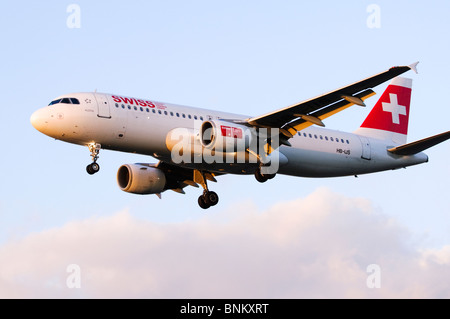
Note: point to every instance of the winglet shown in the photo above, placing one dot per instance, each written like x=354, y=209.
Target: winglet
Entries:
x=414, y=67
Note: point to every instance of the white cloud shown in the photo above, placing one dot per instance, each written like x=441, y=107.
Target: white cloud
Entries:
x=316, y=247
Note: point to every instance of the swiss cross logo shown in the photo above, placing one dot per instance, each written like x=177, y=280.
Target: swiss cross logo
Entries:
x=394, y=108
x=391, y=111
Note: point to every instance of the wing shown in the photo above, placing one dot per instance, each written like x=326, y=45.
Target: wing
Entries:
x=296, y=117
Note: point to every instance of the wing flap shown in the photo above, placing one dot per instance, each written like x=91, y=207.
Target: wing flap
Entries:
x=302, y=122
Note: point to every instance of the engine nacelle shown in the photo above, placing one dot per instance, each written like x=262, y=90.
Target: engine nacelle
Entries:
x=141, y=179
x=225, y=137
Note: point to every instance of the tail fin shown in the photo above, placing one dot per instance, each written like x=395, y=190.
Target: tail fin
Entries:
x=389, y=118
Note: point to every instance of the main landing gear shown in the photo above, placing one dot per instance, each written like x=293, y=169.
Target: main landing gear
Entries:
x=208, y=198
x=93, y=168
x=262, y=178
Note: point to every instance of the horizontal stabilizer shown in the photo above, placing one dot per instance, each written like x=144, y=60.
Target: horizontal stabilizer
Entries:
x=419, y=146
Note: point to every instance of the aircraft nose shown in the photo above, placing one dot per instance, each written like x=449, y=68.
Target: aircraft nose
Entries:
x=39, y=120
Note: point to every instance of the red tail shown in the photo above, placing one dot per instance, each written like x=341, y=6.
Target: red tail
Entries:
x=391, y=112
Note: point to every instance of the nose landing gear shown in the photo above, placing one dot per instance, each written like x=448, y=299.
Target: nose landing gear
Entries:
x=93, y=168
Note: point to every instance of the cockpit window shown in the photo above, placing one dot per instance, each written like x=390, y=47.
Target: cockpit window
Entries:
x=55, y=102
x=66, y=100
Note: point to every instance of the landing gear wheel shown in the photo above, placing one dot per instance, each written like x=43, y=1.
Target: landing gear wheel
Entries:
x=260, y=177
x=94, y=148
x=207, y=199
x=211, y=198
x=201, y=202
x=92, y=168
x=269, y=176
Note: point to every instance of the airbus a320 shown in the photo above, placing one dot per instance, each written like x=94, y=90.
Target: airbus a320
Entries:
x=194, y=145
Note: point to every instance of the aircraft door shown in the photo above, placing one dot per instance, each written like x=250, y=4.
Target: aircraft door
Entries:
x=102, y=106
x=366, y=151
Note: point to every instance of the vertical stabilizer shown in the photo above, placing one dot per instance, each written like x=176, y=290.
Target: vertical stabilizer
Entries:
x=389, y=118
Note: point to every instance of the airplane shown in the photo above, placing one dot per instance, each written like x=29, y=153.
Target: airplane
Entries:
x=195, y=145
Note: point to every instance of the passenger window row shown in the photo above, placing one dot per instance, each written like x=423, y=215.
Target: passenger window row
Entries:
x=326, y=138
x=148, y=110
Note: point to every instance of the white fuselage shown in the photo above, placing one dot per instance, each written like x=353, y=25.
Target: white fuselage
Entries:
x=141, y=126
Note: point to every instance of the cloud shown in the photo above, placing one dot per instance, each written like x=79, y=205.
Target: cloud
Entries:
x=314, y=247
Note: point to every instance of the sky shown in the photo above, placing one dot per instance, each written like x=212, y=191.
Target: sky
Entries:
x=287, y=238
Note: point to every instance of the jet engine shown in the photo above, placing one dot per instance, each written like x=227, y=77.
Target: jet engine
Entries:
x=141, y=179
x=226, y=137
